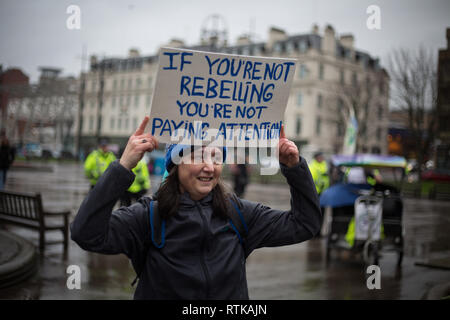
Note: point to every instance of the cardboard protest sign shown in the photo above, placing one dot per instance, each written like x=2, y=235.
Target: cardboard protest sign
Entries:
x=204, y=97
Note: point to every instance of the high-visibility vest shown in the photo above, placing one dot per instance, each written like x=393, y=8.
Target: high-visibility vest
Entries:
x=142, y=179
x=96, y=163
x=370, y=180
x=319, y=172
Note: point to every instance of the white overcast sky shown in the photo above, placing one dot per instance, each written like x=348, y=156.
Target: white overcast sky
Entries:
x=33, y=33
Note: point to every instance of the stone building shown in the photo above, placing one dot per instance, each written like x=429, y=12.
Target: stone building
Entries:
x=331, y=78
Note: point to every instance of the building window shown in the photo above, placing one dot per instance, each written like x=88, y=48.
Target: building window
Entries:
x=126, y=123
x=380, y=112
x=302, y=46
x=94, y=85
x=378, y=133
x=138, y=83
x=91, y=123
x=112, y=123
x=129, y=100
x=319, y=101
x=340, y=105
x=303, y=71
x=114, y=101
x=340, y=129
x=135, y=123
x=121, y=100
x=136, y=101
x=381, y=87
x=298, y=126
x=321, y=71
x=289, y=47
x=318, y=125
x=342, y=74
x=149, y=100
x=119, y=123
x=122, y=84
x=149, y=82
x=277, y=48
x=354, y=79
x=93, y=103
x=299, y=99
x=114, y=84
x=130, y=84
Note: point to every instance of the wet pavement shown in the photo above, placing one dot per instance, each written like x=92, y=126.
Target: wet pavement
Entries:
x=291, y=272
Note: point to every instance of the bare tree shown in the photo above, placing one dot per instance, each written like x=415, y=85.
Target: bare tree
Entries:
x=414, y=91
x=362, y=97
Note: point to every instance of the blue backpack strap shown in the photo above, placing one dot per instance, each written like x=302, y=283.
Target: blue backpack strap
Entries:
x=157, y=231
x=157, y=227
x=238, y=223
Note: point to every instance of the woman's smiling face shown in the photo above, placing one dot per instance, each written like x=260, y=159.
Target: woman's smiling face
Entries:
x=199, y=172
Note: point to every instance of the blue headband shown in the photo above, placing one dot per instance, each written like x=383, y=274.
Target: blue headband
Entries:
x=177, y=149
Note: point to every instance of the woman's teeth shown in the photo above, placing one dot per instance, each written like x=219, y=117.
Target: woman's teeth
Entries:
x=204, y=179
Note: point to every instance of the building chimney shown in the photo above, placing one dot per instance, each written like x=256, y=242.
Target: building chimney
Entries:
x=133, y=53
x=93, y=60
x=315, y=29
x=329, y=41
x=275, y=35
x=176, y=43
x=347, y=41
x=243, y=40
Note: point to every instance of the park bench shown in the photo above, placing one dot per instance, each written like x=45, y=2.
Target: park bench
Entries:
x=26, y=210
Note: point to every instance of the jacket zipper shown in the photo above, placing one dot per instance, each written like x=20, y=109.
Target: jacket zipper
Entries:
x=202, y=260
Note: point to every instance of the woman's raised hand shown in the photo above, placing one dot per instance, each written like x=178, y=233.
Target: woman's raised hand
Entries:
x=137, y=145
x=288, y=151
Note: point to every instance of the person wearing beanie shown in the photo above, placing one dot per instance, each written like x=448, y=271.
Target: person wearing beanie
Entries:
x=201, y=249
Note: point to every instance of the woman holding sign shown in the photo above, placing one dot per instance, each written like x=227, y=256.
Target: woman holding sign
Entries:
x=192, y=240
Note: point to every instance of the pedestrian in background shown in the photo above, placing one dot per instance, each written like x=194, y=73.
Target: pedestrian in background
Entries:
x=241, y=177
x=319, y=172
x=200, y=252
x=140, y=186
x=7, y=155
x=98, y=161
x=320, y=175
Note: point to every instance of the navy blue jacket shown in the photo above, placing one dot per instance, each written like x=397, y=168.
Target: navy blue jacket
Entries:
x=202, y=257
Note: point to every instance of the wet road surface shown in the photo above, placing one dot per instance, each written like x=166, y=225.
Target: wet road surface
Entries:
x=291, y=272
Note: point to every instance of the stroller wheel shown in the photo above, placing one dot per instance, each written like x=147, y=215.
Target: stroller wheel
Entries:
x=371, y=254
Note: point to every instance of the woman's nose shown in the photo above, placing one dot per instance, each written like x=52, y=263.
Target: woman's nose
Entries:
x=208, y=167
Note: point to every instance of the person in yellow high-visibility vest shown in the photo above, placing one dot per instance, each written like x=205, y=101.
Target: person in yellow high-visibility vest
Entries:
x=97, y=162
x=140, y=186
x=319, y=172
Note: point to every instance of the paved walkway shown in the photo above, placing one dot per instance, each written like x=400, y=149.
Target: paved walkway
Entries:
x=290, y=272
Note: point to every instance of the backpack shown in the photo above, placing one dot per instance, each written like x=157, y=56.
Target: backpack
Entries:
x=158, y=228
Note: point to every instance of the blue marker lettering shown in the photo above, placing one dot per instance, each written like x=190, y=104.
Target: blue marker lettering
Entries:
x=170, y=54
x=195, y=86
x=185, y=80
x=211, y=63
x=183, y=61
x=181, y=106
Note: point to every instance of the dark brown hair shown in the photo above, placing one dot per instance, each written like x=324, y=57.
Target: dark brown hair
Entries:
x=168, y=196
